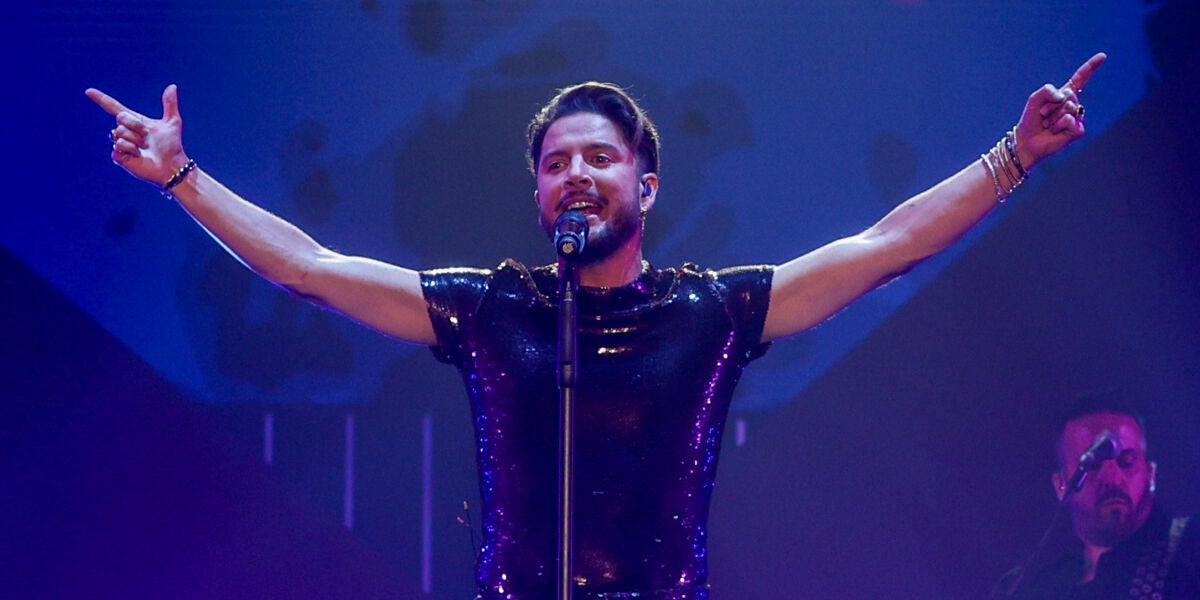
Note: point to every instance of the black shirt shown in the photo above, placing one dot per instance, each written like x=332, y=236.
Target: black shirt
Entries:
x=1136, y=568
x=658, y=359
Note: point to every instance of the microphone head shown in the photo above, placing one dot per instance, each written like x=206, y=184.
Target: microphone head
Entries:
x=570, y=234
x=1105, y=447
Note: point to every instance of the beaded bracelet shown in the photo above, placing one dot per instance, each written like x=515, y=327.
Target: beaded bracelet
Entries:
x=1002, y=159
x=997, y=157
x=1010, y=144
x=177, y=178
x=991, y=169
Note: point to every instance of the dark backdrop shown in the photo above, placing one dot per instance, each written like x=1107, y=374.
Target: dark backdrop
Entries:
x=176, y=428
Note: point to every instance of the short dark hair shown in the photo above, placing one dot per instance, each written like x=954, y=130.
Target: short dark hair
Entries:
x=1107, y=401
x=606, y=100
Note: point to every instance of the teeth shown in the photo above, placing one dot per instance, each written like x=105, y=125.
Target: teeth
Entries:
x=580, y=205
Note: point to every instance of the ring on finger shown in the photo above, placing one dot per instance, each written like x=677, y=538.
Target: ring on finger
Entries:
x=1079, y=112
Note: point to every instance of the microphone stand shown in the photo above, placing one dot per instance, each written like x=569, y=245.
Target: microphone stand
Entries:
x=1105, y=447
x=1011, y=581
x=568, y=358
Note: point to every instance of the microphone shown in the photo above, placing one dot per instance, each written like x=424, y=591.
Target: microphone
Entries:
x=1105, y=446
x=570, y=234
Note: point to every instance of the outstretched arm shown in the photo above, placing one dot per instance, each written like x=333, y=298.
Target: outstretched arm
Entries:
x=809, y=289
x=382, y=296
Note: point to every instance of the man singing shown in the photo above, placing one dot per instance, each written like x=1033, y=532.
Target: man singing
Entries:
x=660, y=349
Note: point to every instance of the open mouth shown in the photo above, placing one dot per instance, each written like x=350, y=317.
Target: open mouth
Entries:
x=586, y=207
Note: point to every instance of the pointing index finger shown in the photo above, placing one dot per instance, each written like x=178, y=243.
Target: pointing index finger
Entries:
x=108, y=103
x=1085, y=71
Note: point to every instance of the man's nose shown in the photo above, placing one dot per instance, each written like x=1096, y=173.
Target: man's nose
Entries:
x=578, y=173
x=1109, y=470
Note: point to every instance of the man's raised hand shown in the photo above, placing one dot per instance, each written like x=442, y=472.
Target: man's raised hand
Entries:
x=1053, y=116
x=149, y=149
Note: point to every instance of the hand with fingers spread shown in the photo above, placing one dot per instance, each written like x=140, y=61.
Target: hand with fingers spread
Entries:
x=1053, y=116
x=149, y=149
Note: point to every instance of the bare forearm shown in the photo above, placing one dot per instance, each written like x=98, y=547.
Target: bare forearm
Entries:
x=813, y=287
x=385, y=297
x=270, y=246
x=381, y=296
x=934, y=219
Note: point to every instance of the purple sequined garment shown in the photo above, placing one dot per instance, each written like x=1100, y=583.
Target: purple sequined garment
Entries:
x=659, y=359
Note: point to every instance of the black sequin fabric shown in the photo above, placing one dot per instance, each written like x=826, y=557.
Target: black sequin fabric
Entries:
x=658, y=362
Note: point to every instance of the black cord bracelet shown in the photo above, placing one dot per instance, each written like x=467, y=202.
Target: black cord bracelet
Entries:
x=1010, y=144
x=177, y=178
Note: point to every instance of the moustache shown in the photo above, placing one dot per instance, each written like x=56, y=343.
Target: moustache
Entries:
x=1113, y=493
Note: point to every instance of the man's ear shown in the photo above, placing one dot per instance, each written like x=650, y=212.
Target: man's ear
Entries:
x=535, y=199
x=1060, y=485
x=648, y=191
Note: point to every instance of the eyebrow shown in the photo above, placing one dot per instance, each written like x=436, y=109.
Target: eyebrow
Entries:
x=589, y=148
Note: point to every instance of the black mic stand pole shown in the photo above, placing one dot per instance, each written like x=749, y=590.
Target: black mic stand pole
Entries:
x=1011, y=581
x=1105, y=447
x=568, y=358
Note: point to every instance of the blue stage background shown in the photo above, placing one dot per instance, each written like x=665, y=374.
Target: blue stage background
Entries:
x=395, y=130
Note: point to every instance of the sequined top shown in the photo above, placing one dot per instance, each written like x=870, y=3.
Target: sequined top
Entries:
x=658, y=361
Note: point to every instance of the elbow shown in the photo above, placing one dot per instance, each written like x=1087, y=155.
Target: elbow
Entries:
x=903, y=251
x=899, y=272
x=296, y=286
x=307, y=297
x=300, y=277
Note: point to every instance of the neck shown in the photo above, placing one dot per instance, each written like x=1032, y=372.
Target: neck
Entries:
x=1091, y=558
x=621, y=268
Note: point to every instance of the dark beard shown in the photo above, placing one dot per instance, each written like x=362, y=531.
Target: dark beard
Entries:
x=1108, y=529
x=603, y=242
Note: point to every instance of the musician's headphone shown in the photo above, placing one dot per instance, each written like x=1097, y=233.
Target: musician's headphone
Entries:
x=646, y=188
